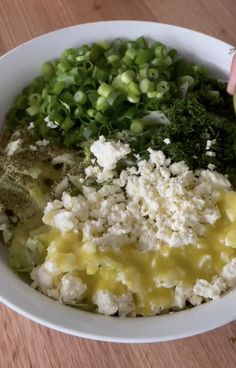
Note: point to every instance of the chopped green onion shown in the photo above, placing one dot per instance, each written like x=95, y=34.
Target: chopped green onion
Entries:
x=214, y=94
x=63, y=66
x=66, y=97
x=116, y=98
x=187, y=78
x=80, y=97
x=35, y=98
x=100, y=74
x=131, y=53
x=101, y=103
x=143, y=56
x=92, y=97
x=143, y=73
x=128, y=76
x=133, y=88
x=105, y=90
x=91, y=113
x=161, y=51
x=153, y=73
x=104, y=44
x=133, y=98
x=162, y=87
x=155, y=94
x=82, y=58
x=137, y=126
x=78, y=111
x=69, y=54
x=66, y=78
x=58, y=87
x=47, y=69
x=67, y=124
x=33, y=110
x=146, y=85
x=100, y=118
x=141, y=43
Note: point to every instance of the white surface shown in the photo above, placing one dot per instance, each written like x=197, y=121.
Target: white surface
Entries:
x=17, y=68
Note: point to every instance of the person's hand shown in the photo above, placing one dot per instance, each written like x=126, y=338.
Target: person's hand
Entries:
x=231, y=88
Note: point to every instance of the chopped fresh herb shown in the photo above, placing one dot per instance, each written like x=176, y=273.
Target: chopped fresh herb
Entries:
x=111, y=89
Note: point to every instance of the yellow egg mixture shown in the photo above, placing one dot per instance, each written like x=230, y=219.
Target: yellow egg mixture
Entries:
x=129, y=269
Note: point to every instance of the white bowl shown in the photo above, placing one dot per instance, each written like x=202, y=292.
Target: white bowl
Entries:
x=17, y=68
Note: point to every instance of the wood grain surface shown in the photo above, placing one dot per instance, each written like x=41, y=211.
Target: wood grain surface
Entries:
x=24, y=344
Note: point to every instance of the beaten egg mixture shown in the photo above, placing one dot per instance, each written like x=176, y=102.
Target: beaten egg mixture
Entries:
x=149, y=276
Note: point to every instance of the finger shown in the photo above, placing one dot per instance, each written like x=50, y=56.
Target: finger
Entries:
x=232, y=80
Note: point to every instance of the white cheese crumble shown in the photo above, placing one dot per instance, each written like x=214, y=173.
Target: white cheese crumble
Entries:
x=72, y=288
x=13, y=147
x=51, y=124
x=109, y=153
x=210, y=153
x=211, y=290
x=210, y=143
x=149, y=205
x=31, y=125
x=109, y=304
x=229, y=273
x=167, y=141
x=211, y=166
x=65, y=159
x=32, y=147
x=42, y=143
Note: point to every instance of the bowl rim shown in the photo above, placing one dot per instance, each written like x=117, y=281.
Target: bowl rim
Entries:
x=107, y=22
x=203, y=316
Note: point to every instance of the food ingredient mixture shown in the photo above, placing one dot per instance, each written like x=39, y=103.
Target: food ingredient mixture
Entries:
x=117, y=181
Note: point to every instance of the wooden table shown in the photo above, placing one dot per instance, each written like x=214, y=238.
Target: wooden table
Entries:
x=24, y=344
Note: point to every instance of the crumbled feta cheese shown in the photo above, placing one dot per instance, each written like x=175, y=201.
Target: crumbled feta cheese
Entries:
x=31, y=125
x=166, y=141
x=125, y=304
x=109, y=153
x=106, y=302
x=91, y=171
x=65, y=158
x=42, y=143
x=195, y=299
x=42, y=278
x=51, y=267
x=13, y=147
x=211, y=290
x=64, y=220
x=157, y=157
x=211, y=166
x=153, y=204
x=53, y=206
x=181, y=295
x=109, y=304
x=32, y=147
x=210, y=154
x=229, y=273
x=72, y=288
x=76, y=205
x=51, y=124
x=210, y=143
